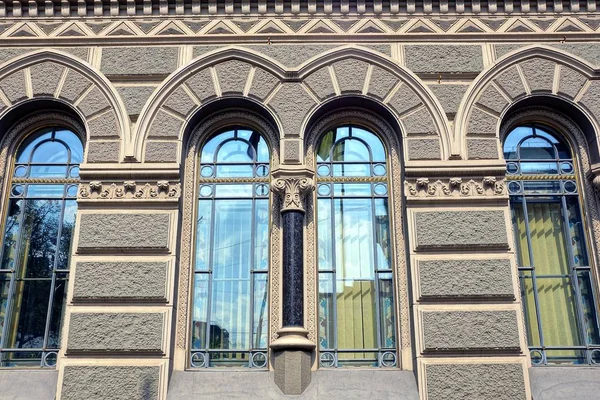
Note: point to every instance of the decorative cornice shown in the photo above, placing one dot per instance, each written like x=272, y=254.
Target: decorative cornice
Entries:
x=292, y=185
x=130, y=190
x=424, y=188
x=295, y=8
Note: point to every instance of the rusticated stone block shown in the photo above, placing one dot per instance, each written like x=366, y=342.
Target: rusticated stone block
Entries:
x=570, y=82
x=404, y=99
x=13, y=86
x=202, y=85
x=233, y=75
x=292, y=371
x=449, y=96
x=121, y=280
x=351, y=75
x=164, y=125
x=444, y=58
x=104, y=126
x=103, y=152
x=115, y=332
x=481, y=123
x=475, y=381
x=320, y=83
x=93, y=102
x=539, y=74
x=291, y=103
x=74, y=86
x=484, y=149
x=161, y=151
x=381, y=83
x=263, y=84
x=148, y=60
x=460, y=229
x=180, y=102
x=45, y=78
x=423, y=149
x=135, y=97
x=126, y=232
x=511, y=82
x=492, y=99
x=470, y=330
x=121, y=383
x=419, y=123
x=466, y=279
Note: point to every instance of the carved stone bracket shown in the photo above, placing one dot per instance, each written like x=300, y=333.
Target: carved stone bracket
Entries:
x=489, y=186
x=161, y=190
x=292, y=185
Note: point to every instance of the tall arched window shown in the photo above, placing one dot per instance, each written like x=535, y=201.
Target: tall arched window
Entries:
x=354, y=252
x=554, y=265
x=38, y=228
x=231, y=261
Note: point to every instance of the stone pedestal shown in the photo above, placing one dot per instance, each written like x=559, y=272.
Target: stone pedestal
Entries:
x=292, y=370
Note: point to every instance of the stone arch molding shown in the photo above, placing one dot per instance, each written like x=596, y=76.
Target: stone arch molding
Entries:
x=52, y=74
x=533, y=71
x=291, y=96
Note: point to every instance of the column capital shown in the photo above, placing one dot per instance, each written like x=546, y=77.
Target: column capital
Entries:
x=292, y=184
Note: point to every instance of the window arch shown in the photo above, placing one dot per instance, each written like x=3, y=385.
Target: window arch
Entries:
x=36, y=244
x=555, y=267
x=356, y=307
x=231, y=262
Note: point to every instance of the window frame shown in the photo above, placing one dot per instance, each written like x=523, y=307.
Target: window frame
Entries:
x=567, y=132
x=16, y=136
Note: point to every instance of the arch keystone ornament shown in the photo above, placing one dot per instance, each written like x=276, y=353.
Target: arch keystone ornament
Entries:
x=292, y=348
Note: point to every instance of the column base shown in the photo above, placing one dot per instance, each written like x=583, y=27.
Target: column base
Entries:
x=292, y=360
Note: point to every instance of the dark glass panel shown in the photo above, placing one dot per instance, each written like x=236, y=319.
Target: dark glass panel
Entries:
x=538, y=167
x=537, y=148
x=59, y=299
x=11, y=234
x=541, y=187
x=22, y=359
x=576, y=231
x=229, y=359
x=4, y=288
x=590, y=318
x=66, y=235
x=29, y=312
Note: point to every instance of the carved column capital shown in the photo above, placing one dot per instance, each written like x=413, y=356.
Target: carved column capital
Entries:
x=292, y=185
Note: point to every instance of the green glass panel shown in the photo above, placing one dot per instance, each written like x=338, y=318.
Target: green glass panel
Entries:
x=356, y=314
x=558, y=311
x=547, y=238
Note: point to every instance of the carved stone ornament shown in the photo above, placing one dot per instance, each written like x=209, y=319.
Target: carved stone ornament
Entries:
x=292, y=190
x=129, y=190
x=488, y=186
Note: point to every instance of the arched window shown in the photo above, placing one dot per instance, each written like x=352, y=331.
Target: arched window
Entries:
x=354, y=253
x=38, y=227
x=554, y=264
x=231, y=261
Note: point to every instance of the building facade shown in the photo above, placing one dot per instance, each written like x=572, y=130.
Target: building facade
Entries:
x=323, y=199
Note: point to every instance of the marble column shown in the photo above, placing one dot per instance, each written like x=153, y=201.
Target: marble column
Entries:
x=292, y=351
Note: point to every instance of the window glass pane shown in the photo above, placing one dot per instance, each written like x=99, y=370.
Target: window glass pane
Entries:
x=325, y=237
x=11, y=233
x=547, y=238
x=260, y=327
x=27, y=147
x=66, y=234
x=203, y=234
x=262, y=151
x=28, y=313
x=38, y=242
x=382, y=235
x=576, y=232
x=208, y=150
x=73, y=143
x=513, y=139
x=386, y=307
x=236, y=151
x=529, y=309
x=541, y=187
x=352, y=189
x=356, y=315
x=590, y=319
x=520, y=232
x=538, y=167
x=228, y=171
x=232, y=239
x=325, y=146
x=4, y=288
x=351, y=169
x=48, y=171
x=233, y=190
x=51, y=152
x=557, y=311
x=326, y=312
x=351, y=150
x=45, y=190
x=374, y=143
x=354, y=238
x=230, y=314
x=57, y=316
x=261, y=235
x=537, y=148
x=200, y=308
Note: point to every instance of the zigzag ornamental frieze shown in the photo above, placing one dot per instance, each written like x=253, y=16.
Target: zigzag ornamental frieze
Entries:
x=129, y=190
x=424, y=188
x=292, y=190
x=121, y=27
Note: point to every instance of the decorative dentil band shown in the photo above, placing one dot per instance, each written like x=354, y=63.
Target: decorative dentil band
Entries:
x=129, y=190
x=454, y=187
x=292, y=190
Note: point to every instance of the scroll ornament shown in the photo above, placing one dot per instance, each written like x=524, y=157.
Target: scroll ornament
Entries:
x=293, y=190
x=454, y=187
x=129, y=190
